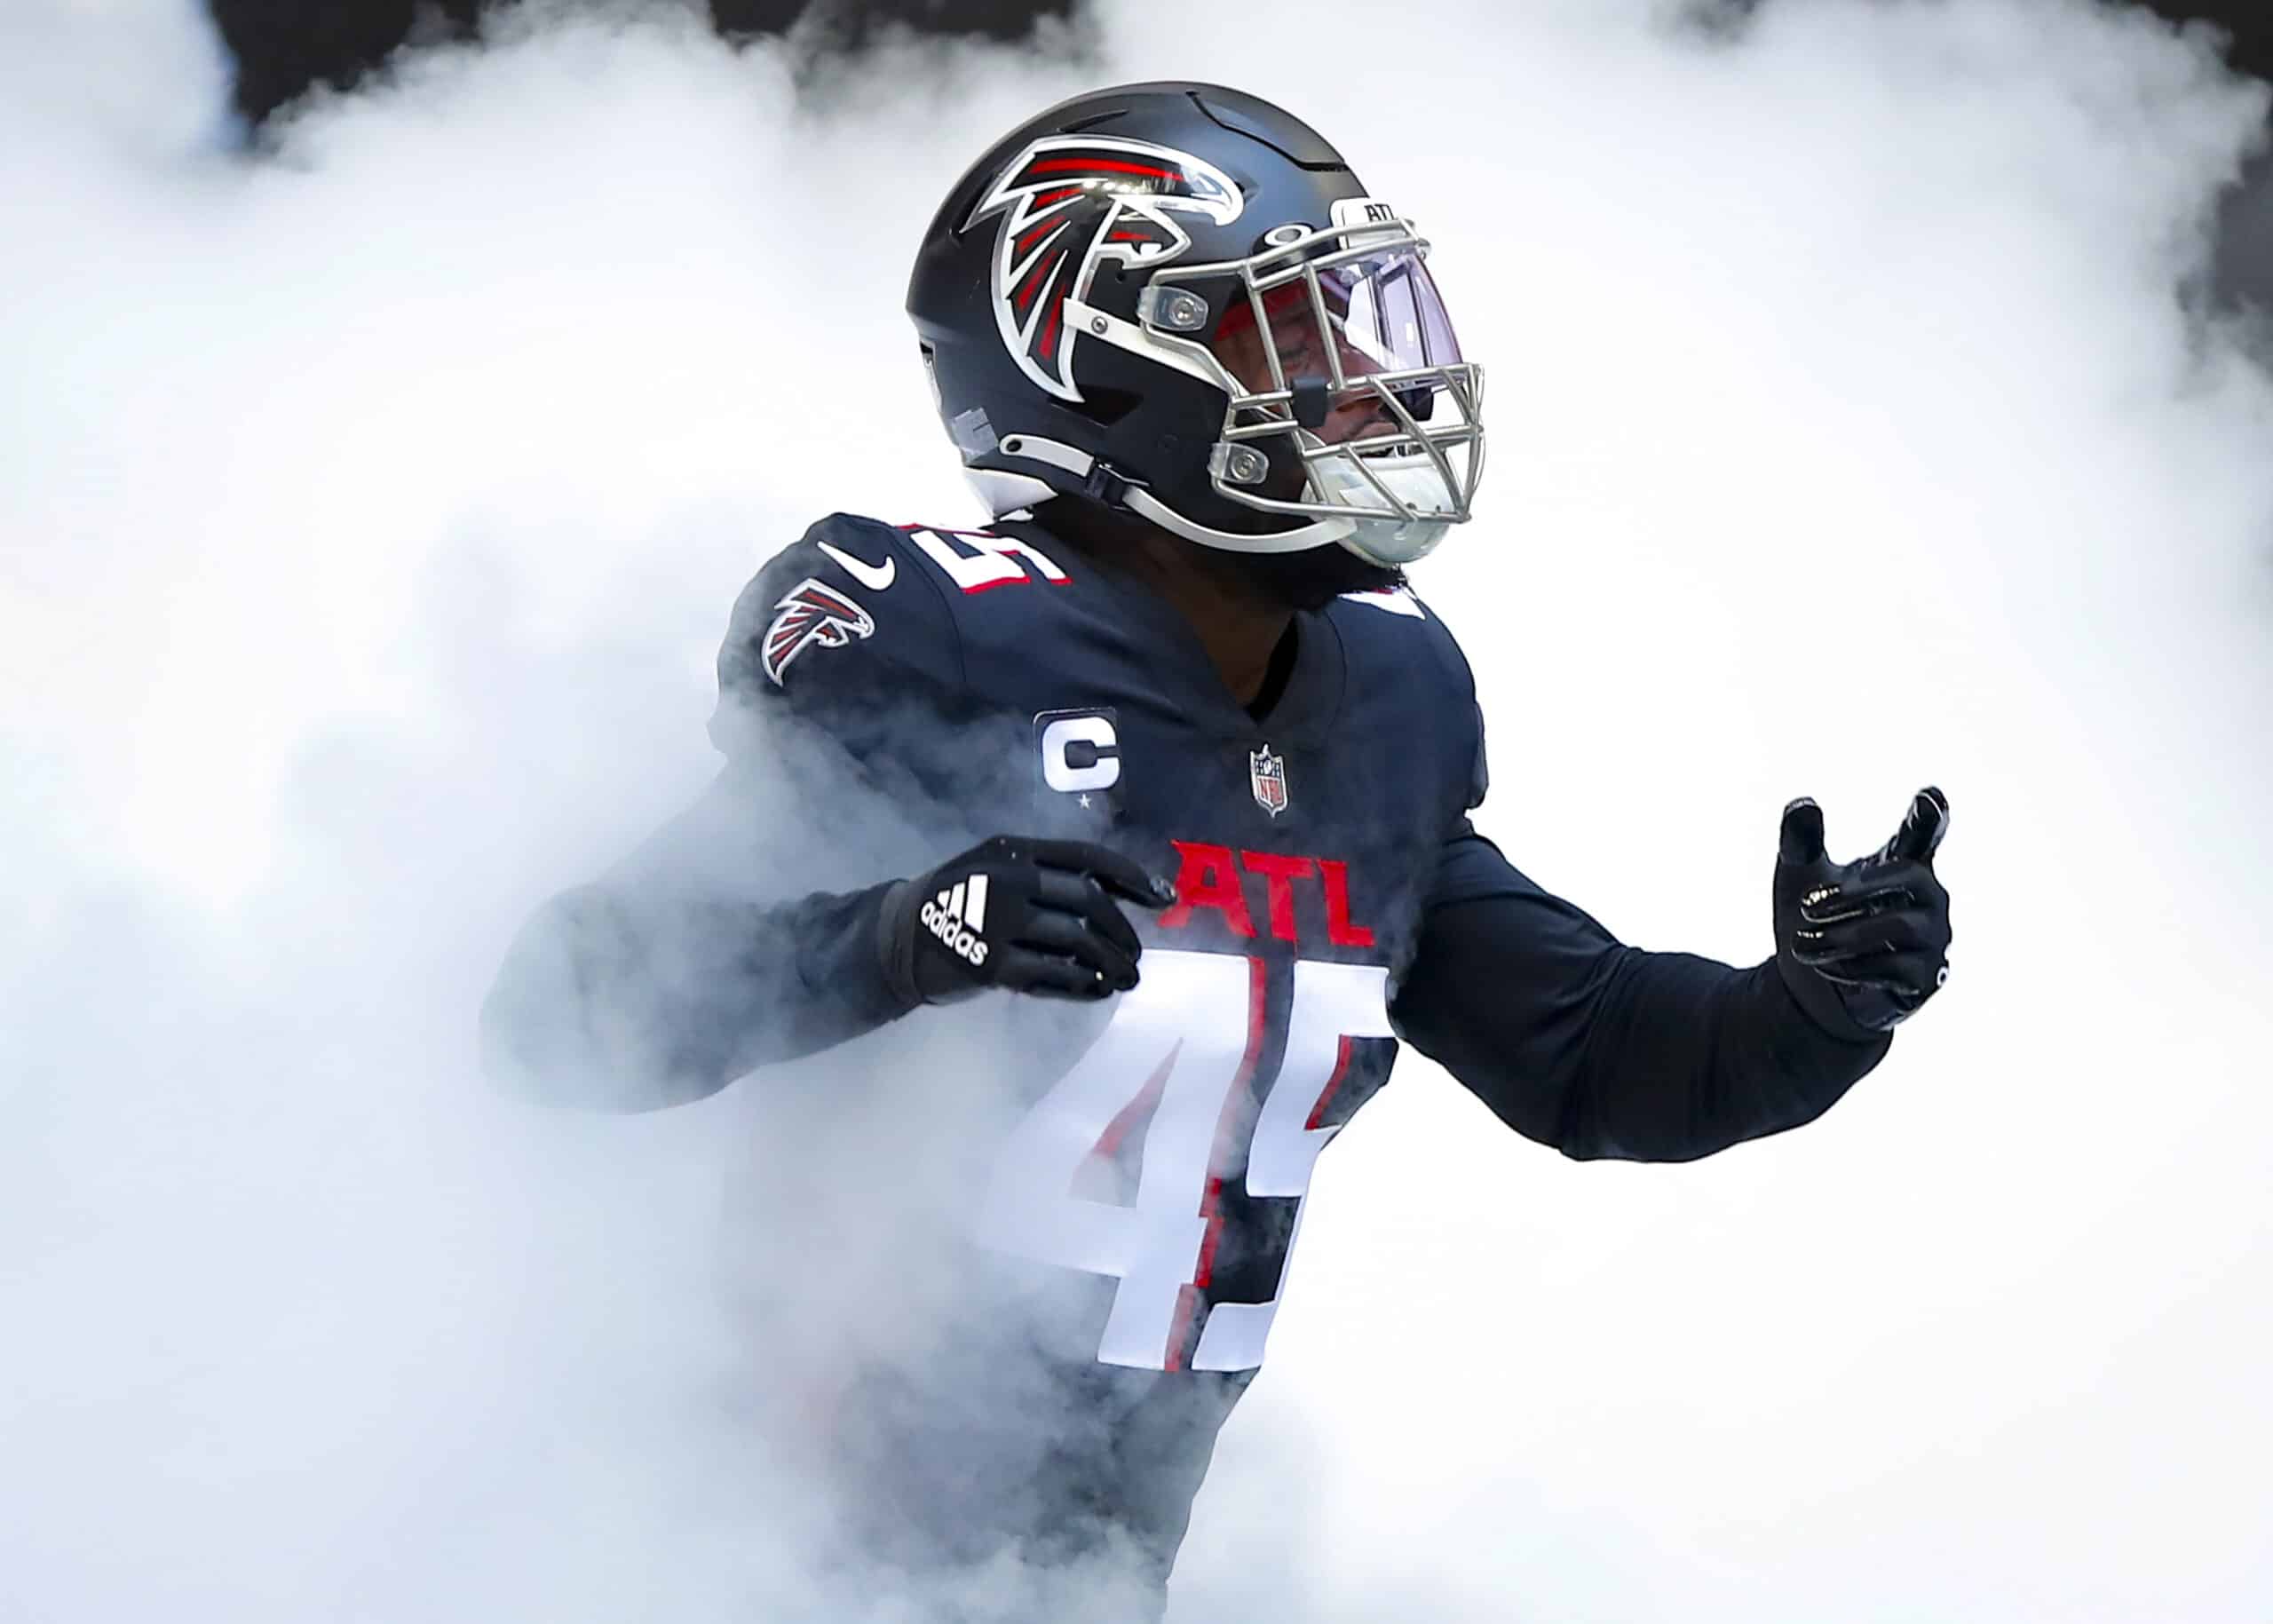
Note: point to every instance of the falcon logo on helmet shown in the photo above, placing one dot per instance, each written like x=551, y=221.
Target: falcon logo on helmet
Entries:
x=809, y=614
x=1068, y=201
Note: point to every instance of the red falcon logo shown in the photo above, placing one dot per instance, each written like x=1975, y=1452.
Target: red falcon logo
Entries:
x=1069, y=202
x=811, y=613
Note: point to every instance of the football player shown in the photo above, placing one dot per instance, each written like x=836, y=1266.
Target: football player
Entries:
x=1168, y=751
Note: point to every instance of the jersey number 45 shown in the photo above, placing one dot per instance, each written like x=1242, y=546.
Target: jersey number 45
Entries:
x=1179, y=1060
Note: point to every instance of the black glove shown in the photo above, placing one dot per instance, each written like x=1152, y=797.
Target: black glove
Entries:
x=1862, y=945
x=1032, y=915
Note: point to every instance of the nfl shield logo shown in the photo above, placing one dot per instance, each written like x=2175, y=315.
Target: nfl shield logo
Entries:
x=1268, y=773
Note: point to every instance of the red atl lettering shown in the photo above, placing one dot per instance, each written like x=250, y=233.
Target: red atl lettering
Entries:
x=1210, y=878
x=1207, y=879
x=1339, y=930
x=1279, y=876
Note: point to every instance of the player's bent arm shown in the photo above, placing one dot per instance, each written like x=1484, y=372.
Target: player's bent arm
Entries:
x=604, y=1005
x=674, y=973
x=1601, y=1049
x=680, y=970
x=665, y=979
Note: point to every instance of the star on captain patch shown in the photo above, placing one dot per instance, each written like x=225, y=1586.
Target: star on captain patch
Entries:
x=1268, y=775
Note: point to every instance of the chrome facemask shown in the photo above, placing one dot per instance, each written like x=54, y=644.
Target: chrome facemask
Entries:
x=1342, y=351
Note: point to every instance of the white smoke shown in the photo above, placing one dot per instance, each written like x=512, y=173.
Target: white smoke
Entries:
x=371, y=513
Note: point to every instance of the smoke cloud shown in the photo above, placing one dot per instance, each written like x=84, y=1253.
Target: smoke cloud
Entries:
x=371, y=510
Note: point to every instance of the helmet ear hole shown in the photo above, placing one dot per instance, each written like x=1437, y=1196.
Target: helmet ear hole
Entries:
x=1106, y=405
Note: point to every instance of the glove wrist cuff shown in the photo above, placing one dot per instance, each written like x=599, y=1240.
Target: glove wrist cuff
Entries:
x=896, y=943
x=1820, y=1002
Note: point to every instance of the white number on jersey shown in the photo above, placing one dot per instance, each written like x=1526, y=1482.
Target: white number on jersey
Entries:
x=1181, y=1049
x=976, y=561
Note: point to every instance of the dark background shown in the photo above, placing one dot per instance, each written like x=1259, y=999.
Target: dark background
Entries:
x=282, y=47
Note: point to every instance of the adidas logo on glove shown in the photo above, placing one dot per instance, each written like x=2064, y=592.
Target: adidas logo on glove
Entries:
x=957, y=916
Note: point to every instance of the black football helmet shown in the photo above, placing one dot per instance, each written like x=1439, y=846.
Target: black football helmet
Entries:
x=1176, y=300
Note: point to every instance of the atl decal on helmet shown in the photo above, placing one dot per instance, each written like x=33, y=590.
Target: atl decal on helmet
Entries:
x=810, y=612
x=1067, y=203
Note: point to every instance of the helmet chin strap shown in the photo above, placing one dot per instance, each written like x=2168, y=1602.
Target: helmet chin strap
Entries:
x=1318, y=533
x=1025, y=490
x=1349, y=533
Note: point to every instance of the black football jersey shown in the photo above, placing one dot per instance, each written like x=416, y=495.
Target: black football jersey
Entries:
x=1011, y=1260
x=1157, y=1169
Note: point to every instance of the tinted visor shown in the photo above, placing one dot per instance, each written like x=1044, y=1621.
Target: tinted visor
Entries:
x=1351, y=380
x=1379, y=316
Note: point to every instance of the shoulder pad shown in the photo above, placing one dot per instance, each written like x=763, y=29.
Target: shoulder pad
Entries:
x=1398, y=600
x=1395, y=627
x=840, y=618
x=1394, y=638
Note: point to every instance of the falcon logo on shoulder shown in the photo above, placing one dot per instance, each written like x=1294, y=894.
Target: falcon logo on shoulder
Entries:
x=811, y=613
x=1069, y=202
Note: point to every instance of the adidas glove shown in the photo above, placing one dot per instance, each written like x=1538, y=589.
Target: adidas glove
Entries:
x=1862, y=945
x=1032, y=915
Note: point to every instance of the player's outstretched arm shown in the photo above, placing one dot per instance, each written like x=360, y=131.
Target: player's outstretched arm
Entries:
x=654, y=987
x=1606, y=1050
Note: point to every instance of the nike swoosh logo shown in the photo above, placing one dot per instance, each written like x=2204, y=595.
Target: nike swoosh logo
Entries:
x=875, y=577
